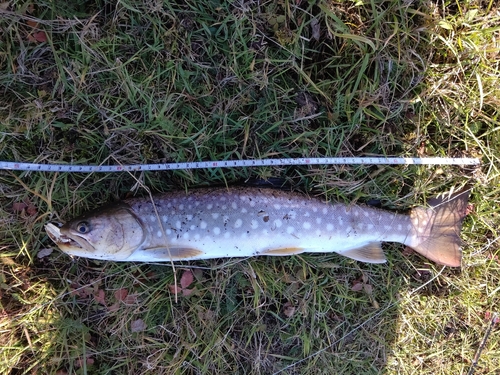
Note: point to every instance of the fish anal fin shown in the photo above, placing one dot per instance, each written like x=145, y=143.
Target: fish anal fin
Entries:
x=282, y=251
x=173, y=253
x=369, y=253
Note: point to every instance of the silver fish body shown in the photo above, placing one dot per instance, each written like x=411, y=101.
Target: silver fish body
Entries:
x=244, y=222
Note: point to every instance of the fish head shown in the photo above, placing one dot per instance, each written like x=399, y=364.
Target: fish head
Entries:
x=112, y=232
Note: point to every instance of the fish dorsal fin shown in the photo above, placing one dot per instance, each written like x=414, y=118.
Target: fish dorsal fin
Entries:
x=369, y=253
x=173, y=253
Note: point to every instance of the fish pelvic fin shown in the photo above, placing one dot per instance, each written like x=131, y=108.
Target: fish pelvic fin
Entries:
x=435, y=231
x=369, y=253
x=162, y=254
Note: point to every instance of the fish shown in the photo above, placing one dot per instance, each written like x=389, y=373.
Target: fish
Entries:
x=209, y=223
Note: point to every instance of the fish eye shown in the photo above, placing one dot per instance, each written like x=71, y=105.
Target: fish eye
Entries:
x=83, y=227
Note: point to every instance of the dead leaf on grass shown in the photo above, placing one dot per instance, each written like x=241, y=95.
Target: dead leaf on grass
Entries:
x=99, y=296
x=44, y=253
x=186, y=279
x=289, y=309
x=138, y=325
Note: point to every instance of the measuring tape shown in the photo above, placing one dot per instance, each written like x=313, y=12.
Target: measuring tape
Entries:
x=8, y=165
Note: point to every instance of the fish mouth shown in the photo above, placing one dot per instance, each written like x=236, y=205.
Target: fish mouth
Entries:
x=66, y=243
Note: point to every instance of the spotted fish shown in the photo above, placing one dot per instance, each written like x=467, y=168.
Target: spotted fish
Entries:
x=244, y=222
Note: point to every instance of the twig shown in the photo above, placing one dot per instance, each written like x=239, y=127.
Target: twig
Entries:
x=494, y=319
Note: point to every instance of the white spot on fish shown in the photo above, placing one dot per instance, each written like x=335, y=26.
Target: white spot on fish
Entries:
x=215, y=215
x=325, y=210
x=254, y=224
x=181, y=207
x=189, y=217
x=306, y=225
x=234, y=206
x=238, y=223
x=159, y=233
x=169, y=232
x=277, y=223
x=315, y=209
x=222, y=199
x=356, y=213
x=227, y=234
x=203, y=225
x=370, y=226
x=265, y=232
x=244, y=210
x=252, y=203
x=196, y=204
x=361, y=225
x=210, y=206
x=408, y=226
x=178, y=224
x=165, y=218
x=400, y=227
x=152, y=218
x=244, y=235
x=290, y=230
x=424, y=222
x=192, y=227
x=329, y=227
x=307, y=214
x=197, y=236
x=387, y=227
x=365, y=214
x=224, y=207
x=277, y=206
x=318, y=232
x=216, y=230
x=318, y=220
x=185, y=235
x=190, y=207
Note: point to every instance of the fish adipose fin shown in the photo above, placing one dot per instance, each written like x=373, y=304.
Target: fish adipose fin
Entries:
x=436, y=230
x=369, y=253
x=172, y=253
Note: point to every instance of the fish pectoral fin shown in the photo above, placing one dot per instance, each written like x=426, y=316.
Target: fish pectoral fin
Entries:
x=369, y=253
x=173, y=253
x=283, y=251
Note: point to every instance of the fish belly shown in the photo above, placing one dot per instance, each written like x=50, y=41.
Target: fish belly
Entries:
x=242, y=223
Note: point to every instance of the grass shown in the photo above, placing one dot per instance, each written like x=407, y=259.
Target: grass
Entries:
x=152, y=81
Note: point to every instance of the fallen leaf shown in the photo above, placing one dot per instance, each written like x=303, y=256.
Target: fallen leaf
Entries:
x=43, y=253
x=40, y=36
x=368, y=288
x=289, y=309
x=138, y=325
x=174, y=289
x=186, y=279
x=19, y=206
x=187, y=292
x=100, y=297
x=121, y=294
x=32, y=23
x=114, y=307
x=357, y=287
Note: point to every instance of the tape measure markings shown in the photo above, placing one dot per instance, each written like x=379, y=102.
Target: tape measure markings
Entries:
x=20, y=166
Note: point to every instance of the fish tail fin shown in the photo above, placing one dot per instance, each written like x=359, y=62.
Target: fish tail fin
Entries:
x=435, y=232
